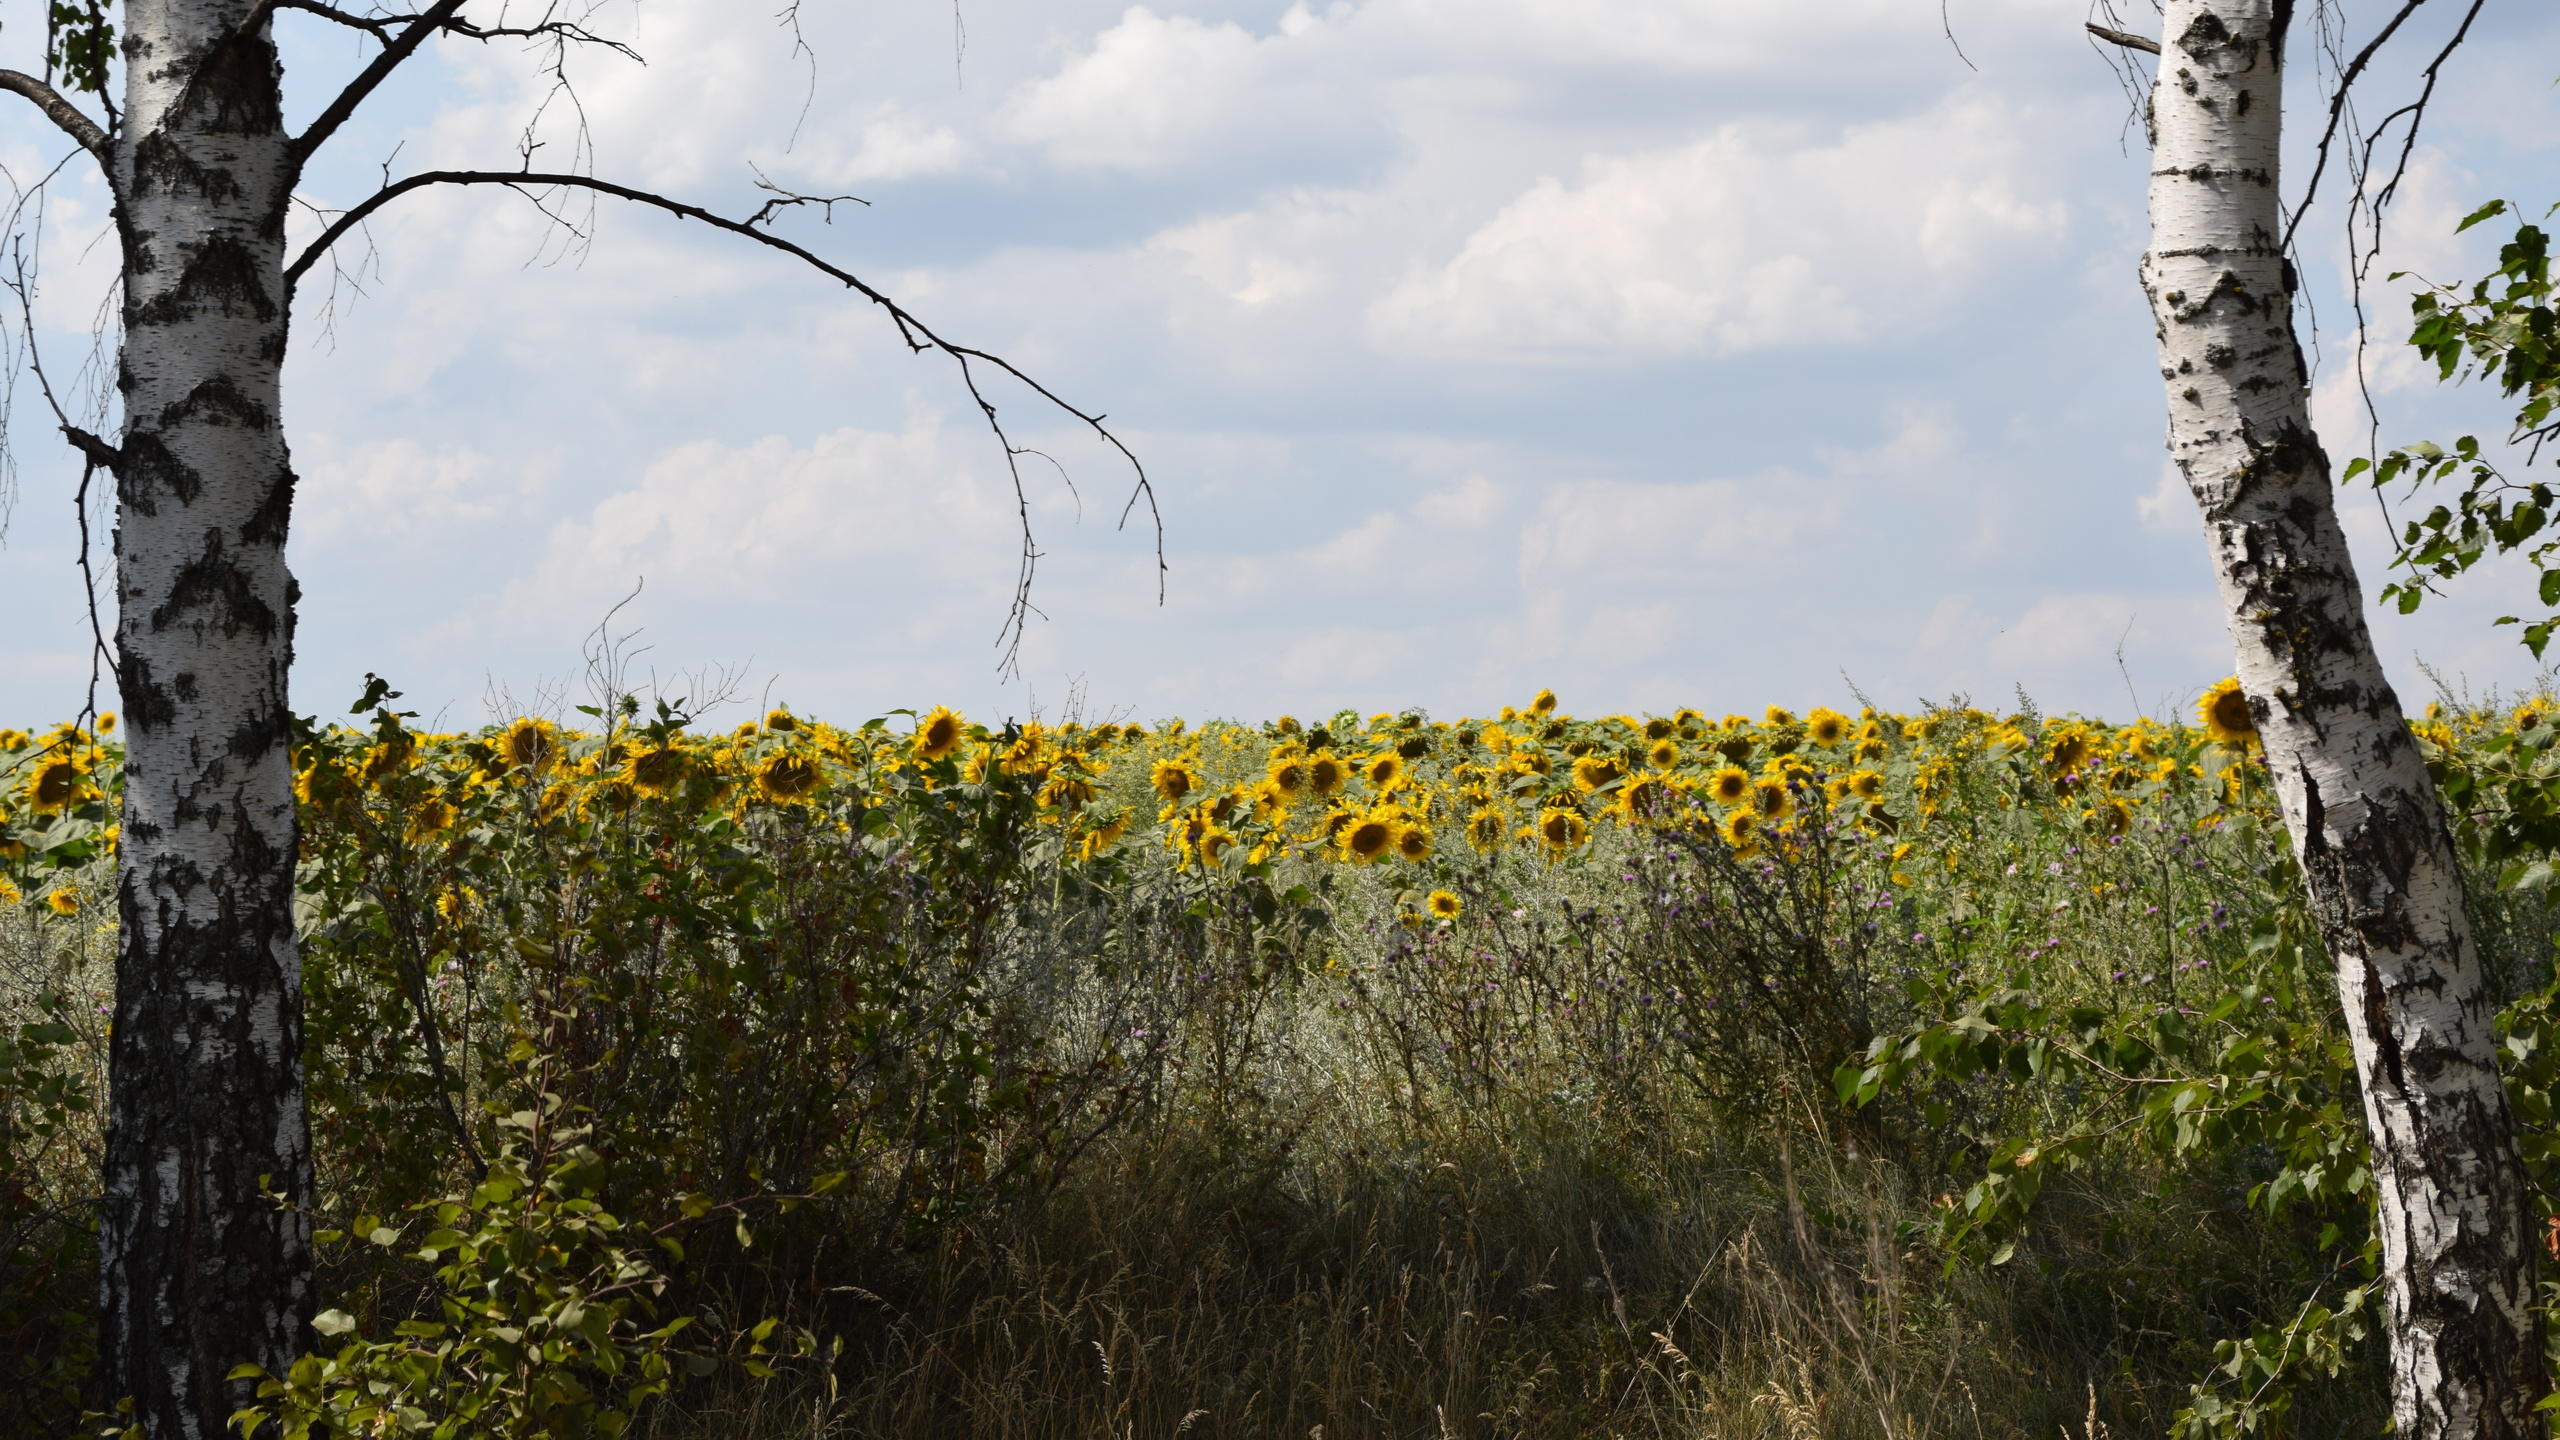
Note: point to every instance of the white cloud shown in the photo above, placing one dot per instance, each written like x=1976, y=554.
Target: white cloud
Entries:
x=2170, y=508
x=383, y=488
x=1751, y=238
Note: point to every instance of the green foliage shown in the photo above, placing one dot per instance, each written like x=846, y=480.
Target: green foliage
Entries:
x=46, y=1245
x=2503, y=331
x=79, y=40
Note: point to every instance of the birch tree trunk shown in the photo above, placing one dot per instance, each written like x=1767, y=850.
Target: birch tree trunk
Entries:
x=201, y=1271
x=2458, y=1264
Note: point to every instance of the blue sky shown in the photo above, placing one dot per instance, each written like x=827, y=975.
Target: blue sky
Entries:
x=1676, y=352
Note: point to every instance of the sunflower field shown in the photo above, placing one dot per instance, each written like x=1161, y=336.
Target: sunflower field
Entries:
x=1817, y=1074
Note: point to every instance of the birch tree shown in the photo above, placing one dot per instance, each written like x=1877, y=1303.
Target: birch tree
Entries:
x=205, y=1237
x=2378, y=860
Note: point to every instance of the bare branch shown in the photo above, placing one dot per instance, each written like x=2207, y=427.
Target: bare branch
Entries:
x=393, y=54
x=785, y=199
x=918, y=337
x=91, y=135
x=2338, y=111
x=378, y=26
x=2128, y=41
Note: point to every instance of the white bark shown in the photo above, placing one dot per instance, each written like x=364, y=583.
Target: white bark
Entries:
x=200, y=1272
x=2458, y=1263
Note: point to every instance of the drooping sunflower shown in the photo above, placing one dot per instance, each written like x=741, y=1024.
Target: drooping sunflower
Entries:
x=2224, y=713
x=1544, y=704
x=939, y=733
x=1325, y=774
x=788, y=778
x=1174, y=779
x=1529, y=760
x=1563, y=830
x=1413, y=842
x=1369, y=837
x=781, y=720
x=1826, y=727
x=1595, y=770
x=1484, y=829
x=1658, y=728
x=529, y=745
x=1443, y=905
x=656, y=772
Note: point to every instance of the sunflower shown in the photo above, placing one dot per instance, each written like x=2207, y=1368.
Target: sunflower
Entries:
x=1562, y=830
x=1325, y=774
x=1826, y=727
x=1663, y=755
x=1484, y=829
x=1741, y=829
x=1544, y=704
x=1369, y=837
x=1289, y=778
x=2224, y=713
x=2114, y=815
x=1443, y=905
x=430, y=820
x=1729, y=786
x=65, y=901
x=1531, y=762
x=788, y=777
x=1771, y=799
x=2532, y=719
x=1413, y=842
x=58, y=784
x=1593, y=771
x=656, y=772
x=1643, y=797
x=1778, y=715
x=1173, y=779
x=1214, y=842
x=1383, y=772
x=939, y=733
x=780, y=720
x=529, y=745
x=1866, y=784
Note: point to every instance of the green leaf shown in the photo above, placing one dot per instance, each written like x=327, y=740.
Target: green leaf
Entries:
x=328, y=1322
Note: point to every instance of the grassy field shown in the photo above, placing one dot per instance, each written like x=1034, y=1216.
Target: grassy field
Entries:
x=1835, y=1074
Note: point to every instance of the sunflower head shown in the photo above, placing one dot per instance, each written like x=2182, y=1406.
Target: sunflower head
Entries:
x=1825, y=727
x=781, y=721
x=1413, y=842
x=1213, y=844
x=1289, y=777
x=1644, y=797
x=788, y=778
x=2224, y=713
x=1443, y=905
x=939, y=733
x=1771, y=800
x=1544, y=704
x=1778, y=715
x=1729, y=786
x=1866, y=785
x=429, y=820
x=1368, y=837
x=656, y=772
x=1325, y=774
x=1173, y=779
x=1562, y=830
x=1484, y=829
x=2532, y=719
x=1383, y=772
x=1741, y=829
x=529, y=745
x=65, y=901
x=58, y=784
x=1663, y=754
x=1595, y=770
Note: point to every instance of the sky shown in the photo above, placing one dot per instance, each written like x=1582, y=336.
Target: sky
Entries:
x=1664, y=352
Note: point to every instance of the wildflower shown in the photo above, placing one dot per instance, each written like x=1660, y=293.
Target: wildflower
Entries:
x=65, y=901
x=2224, y=713
x=1443, y=905
x=938, y=733
x=1173, y=779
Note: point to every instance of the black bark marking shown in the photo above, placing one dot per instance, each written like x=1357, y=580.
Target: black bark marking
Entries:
x=217, y=401
x=2204, y=34
x=216, y=581
x=147, y=704
x=274, y=515
x=234, y=87
x=221, y=273
x=159, y=161
x=150, y=471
